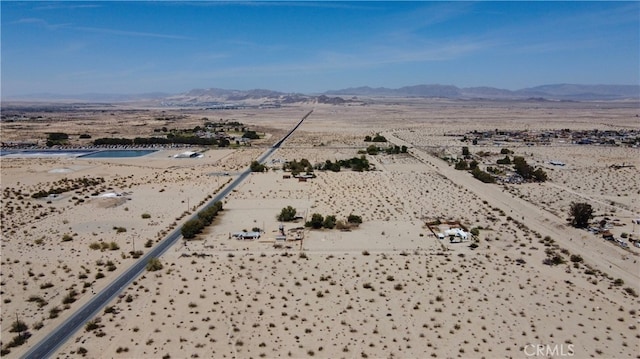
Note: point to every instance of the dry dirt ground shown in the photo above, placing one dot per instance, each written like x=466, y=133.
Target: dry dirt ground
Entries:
x=388, y=288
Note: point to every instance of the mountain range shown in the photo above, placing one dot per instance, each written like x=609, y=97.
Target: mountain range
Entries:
x=549, y=92
x=557, y=92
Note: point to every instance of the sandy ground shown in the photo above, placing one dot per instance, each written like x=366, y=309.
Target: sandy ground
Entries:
x=388, y=288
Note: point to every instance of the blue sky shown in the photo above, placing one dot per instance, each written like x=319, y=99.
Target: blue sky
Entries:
x=136, y=47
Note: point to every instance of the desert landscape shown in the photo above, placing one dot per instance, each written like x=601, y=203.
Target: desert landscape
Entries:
x=419, y=259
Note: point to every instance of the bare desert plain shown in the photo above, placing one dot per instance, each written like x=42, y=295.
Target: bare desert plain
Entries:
x=525, y=284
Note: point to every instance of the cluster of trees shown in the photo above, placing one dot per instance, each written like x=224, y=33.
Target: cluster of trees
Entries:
x=482, y=176
x=527, y=172
x=476, y=172
x=317, y=221
x=377, y=138
x=296, y=167
x=463, y=165
x=170, y=139
x=357, y=164
x=204, y=218
x=329, y=222
x=374, y=150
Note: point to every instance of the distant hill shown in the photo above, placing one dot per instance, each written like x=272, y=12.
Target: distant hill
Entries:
x=550, y=92
x=557, y=92
x=90, y=97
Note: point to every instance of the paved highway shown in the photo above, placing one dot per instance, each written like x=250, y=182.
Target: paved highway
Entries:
x=47, y=346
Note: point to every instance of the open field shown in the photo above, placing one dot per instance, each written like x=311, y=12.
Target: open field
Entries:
x=386, y=288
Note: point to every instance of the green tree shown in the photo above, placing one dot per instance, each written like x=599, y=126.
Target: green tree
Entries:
x=316, y=221
x=191, y=228
x=539, y=175
x=329, y=222
x=287, y=214
x=354, y=219
x=581, y=214
x=372, y=150
x=462, y=165
x=252, y=135
x=379, y=138
x=521, y=166
x=504, y=161
x=257, y=167
x=482, y=175
x=465, y=151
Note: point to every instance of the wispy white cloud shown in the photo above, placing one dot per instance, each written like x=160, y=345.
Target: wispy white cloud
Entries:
x=129, y=33
x=40, y=22
x=66, y=6
x=118, y=32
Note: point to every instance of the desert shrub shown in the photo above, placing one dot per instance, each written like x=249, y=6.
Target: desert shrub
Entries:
x=148, y=243
x=94, y=245
x=340, y=224
x=631, y=291
x=154, y=264
x=114, y=246
x=553, y=260
x=46, y=285
x=17, y=341
x=575, y=258
x=91, y=325
x=18, y=326
x=67, y=237
x=54, y=312
x=70, y=297
x=146, y=215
